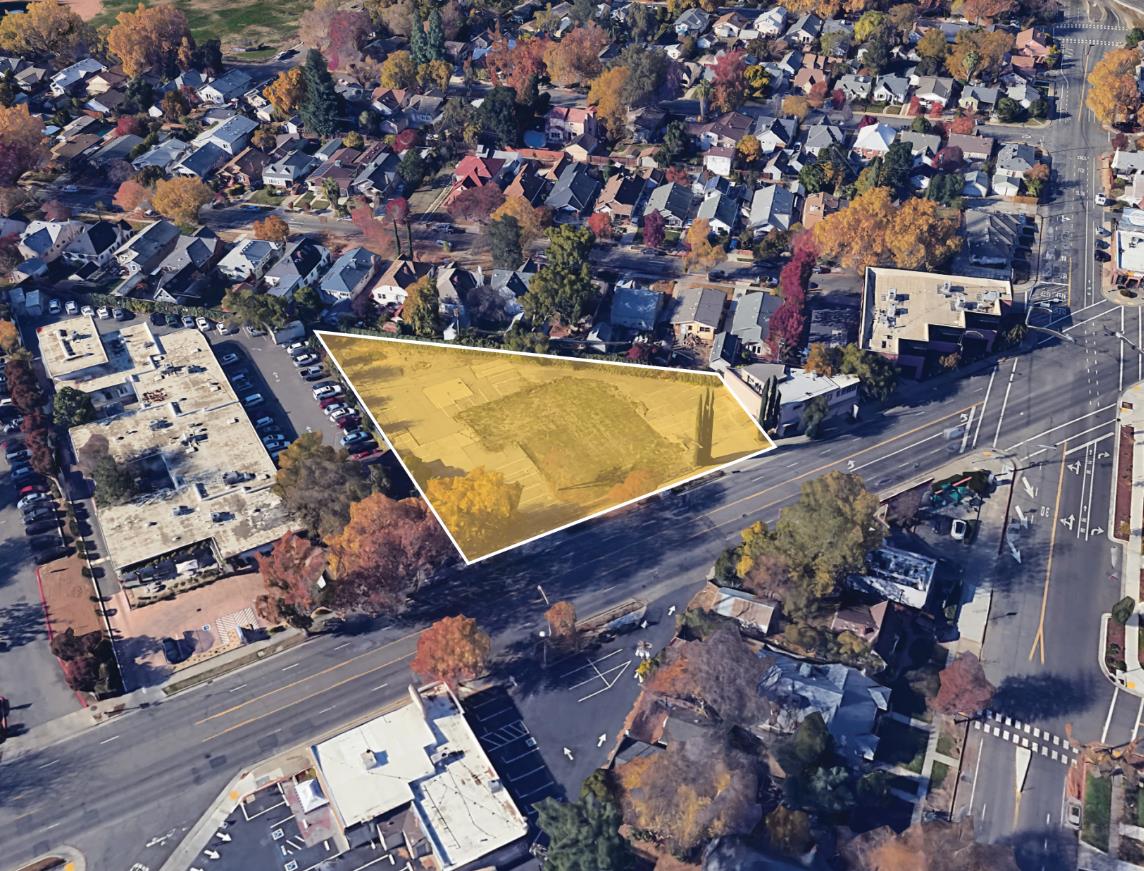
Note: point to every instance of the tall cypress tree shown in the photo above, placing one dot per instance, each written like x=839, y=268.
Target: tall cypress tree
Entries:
x=435, y=38
x=417, y=46
x=319, y=109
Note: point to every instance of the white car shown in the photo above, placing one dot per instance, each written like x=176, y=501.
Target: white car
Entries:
x=71, y=307
x=103, y=312
x=87, y=310
x=958, y=529
x=224, y=329
x=341, y=412
x=203, y=324
x=297, y=348
x=305, y=360
x=1101, y=199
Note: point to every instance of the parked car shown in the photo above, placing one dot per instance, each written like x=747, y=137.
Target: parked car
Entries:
x=173, y=321
x=40, y=527
x=32, y=499
x=174, y=651
x=103, y=312
x=253, y=332
x=203, y=324
x=45, y=542
x=253, y=399
x=297, y=348
x=350, y=422
x=119, y=314
x=313, y=373
x=355, y=437
x=87, y=310
x=368, y=455
x=329, y=402
x=340, y=412
x=54, y=307
x=279, y=445
x=46, y=513
x=305, y=359
x=71, y=307
x=269, y=437
x=188, y=322
x=224, y=329
x=1101, y=199
x=16, y=456
x=958, y=529
x=228, y=359
x=334, y=406
x=324, y=390
x=264, y=422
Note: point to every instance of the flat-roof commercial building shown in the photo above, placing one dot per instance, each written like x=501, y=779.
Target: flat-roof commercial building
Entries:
x=917, y=317
x=897, y=575
x=173, y=420
x=418, y=776
x=1128, y=248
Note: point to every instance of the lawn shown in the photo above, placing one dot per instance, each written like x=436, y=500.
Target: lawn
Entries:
x=1097, y=810
x=938, y=776
x=947, y=745
x=235, y=24
x=1140, y=808
x=899, y=744
x=266, y=197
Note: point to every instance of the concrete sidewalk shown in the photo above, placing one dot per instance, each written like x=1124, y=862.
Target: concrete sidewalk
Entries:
x=1131, y=413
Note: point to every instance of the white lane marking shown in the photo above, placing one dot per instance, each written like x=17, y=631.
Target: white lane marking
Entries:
x=292, y=665
x=1005, y=402
x=1108, y=719
x=968, y=427
x=237, y=688
x=984, y=403
x=109, y=740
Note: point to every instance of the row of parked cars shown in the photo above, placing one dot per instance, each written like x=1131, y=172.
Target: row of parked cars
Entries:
x=37, y=506
x=345, y=416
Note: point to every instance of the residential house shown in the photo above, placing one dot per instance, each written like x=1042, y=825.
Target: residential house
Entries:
x=341, y=168
x=200, y=162
x=1013, y=161
x=377, y=174
x=245, y=169
x=896, y=575
x=621, y=196
x=47, y=240
x=891, y=88
x=721, y=211
x=855, y=87
x=754, y=615
x=635, y=308
x=991, y=238
x=730, y=25
x=818, y=206
x=774, y=133
x=349, y=275
x=933, y=91
x=863, y=621
x=978, y=99
x=424, y=110
x=1126, y=164
x=1034, y=44
x=722, y=132
x=106, y=103
x=302, y=264
x=673, y=202
x=695, y=311
x=249, y=259
x=820, y=136
x=70, y=78
x=772, y=208
x=566, y=123
x=849, y=702
x=797, y=387
x=145, y=250
x=874, y=140
x=772, y=23
x=719, y=161
x=454, y=284
x=693, y=22
x=475, y=171
x=393, y=284
x=923, y=146
x=226, y=88
x=528, y=185
x=97, y=244
x=914, y=318
x=811, y=74
x=976, y=184
x=288, y=170
x=972, y=147
x=806, y=30
x=1133, y=193
x=749, y=329
x=231, y=135
x=574, y=193
x=162, y=155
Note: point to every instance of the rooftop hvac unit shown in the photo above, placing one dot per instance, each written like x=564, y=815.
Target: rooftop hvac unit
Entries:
x=945, y=288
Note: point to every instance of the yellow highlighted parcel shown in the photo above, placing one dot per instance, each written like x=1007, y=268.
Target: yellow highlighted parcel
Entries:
x=507, y=446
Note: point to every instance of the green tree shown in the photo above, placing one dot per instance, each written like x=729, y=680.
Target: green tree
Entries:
x=582, y=835
x=813, y=414
x=813, y=177
x=1134, y=37
x=114, y=485
x=946, y=187
x=504, y=242
x=421, y=307
x=72, y=407
x=676, y=145
x=318, y=483
x=435, y=37
x=562, y=288
x=896, y=166
x=877, y=376
x=417, y=38
x=870, y=23
x=307, y=304
x=789, y=831
x=411, y=170
x=255, y=308
x=497, y=116
x=878, y=54
x=1008, y=110
x=320, y=102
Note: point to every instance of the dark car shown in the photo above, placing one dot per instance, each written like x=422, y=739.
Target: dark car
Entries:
x=173, y=650
x=48, y=512
x=40, y=527
x=45, y=542
x=158, y=319
x=173, y=321
x=40, y=557
x=1101, y=256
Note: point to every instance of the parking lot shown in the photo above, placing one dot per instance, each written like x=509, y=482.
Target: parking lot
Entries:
x=32, y=679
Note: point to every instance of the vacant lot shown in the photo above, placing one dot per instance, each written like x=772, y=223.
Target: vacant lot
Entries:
x=564, y=439
x=237, y=24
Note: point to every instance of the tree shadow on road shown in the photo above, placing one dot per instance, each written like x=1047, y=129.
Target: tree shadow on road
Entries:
x=1044, y=848
x=1042, y=696
x=20, y=624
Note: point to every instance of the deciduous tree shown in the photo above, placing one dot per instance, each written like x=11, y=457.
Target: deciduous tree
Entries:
x=421, y=309
x=518, y=65
x=9, y=336
x=148, y=39
x=701, y=252
x=318, y=483
x=398, y=71
x=978, y=54
x=21, y=143
x=823, y=360
x=180, y=199
x=271, y=229
x=986, y=11
x=561, y=619
x=654, y=230
x=46, y=28
x=529, y=218
x=964, y=688
x=562, y=288
x=922, y=233
x=285, y=92
x=505, y=242
x=795, y=106
x=576, y=57
x=454, y=649
x=291, y=571
x=477, y=204
x=477, y=506
x=730, y=81
x=71, y=407
x=600, y=223
x=1113, y=95
x=381, y=553
x=606, y=94
x=789, y=831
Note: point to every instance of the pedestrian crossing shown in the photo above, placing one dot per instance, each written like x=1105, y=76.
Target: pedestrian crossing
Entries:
x=1082, y=24
x=1039, y=742
x=1107, y=43
x=228, y=626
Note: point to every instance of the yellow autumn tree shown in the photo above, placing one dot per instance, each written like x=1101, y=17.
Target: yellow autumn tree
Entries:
x=922, y=234
x=748, y=149
x=436, y=74
x=46, y=28
x=21, y=143
x=856, y=235
x=180, y=199
x=148, y=39
x=527, y=216
x=796, y=106
x=9, y=337
x=285, y=92
x=606, y=95
x=1113, y=94
x=575, y=58
x=701, y=251
x=476, y=506
x=398, y=71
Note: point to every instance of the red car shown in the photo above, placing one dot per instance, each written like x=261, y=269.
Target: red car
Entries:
x=33, y=488
x=328, y=401
x=368, y=456
x=350, y=421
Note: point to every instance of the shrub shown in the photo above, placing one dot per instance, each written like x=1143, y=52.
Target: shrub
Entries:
x=1123, y=609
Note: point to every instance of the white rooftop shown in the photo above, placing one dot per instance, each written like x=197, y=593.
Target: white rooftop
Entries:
x=425, y=755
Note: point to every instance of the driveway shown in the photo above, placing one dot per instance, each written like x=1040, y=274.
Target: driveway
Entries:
x=31, y=677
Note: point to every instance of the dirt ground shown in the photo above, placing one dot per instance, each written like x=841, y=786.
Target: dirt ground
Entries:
x=68, y=597
x=86, y=9
x=204, y=620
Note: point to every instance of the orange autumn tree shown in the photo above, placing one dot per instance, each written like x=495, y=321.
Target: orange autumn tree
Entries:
x=181, y=198
x=476, y=506
x=285, y=93
x=46, y=28
x=561, y=618
x=1113, y=95
x=290, y=571
x=576, y=57
x=272, y=228
x=528, y=217
x=21, y=143
x=148, y=39
x=454, y=649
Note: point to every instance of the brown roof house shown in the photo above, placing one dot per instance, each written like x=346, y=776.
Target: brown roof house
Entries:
x=754, y=615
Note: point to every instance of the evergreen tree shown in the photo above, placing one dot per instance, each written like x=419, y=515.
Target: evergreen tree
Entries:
x=434, y=42
x=583, y=835
x=769, y=408
x=319, y=109
x=563, y=287
x=418, y=49
x=704, y=427
x=504, y=240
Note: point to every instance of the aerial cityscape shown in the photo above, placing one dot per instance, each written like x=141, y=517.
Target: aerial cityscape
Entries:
x=587, y=436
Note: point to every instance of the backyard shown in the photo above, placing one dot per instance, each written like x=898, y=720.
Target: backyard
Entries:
x=899, y=744
x=1097, y=810
x=237, y=25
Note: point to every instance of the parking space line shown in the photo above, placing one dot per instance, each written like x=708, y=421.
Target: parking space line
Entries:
x=607, y=686
x=592, y=663
x=600, y=675
x=527, y=774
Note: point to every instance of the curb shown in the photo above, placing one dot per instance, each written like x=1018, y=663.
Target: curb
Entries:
x=1115, y=471
x=221, y=669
